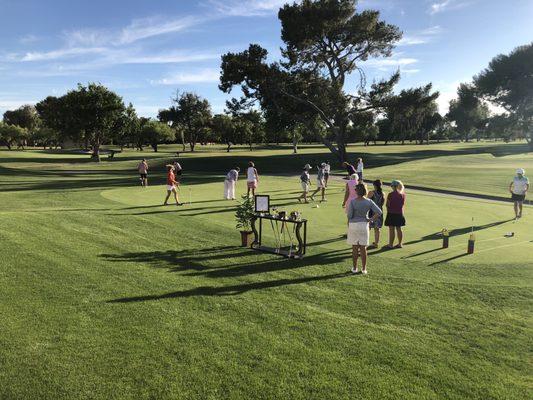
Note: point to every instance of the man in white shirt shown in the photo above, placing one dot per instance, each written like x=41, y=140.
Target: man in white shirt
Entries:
x=518, y=188
x=229, y=183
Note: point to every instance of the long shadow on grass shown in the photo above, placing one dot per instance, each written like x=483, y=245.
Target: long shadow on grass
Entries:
x=229, y=290
x=458, y=232
x=195, y=260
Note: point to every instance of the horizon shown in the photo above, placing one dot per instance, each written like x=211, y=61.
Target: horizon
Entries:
x=145, y=52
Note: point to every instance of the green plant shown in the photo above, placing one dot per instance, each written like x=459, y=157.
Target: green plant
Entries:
x=244, y=213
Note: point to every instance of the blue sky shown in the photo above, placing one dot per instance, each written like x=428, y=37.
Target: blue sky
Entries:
x=147, y=49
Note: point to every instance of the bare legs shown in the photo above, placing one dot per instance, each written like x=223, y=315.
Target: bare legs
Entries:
x=359, y=251
x=169, y=192
x=518, y=209
x=318, y=190
x=393, y=232
x=303, y=196
x=376, y=236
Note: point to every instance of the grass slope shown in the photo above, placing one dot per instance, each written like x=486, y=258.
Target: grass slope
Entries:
x=107, y=295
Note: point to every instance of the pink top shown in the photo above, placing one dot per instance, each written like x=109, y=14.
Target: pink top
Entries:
x=352, y=183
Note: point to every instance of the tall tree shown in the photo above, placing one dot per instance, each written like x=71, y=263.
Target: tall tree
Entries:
x=155, y=133
x=26, y=117
x=88, y=113
x=225, y=130
x=12, y=134
x=468, y=112
x=127, y=127
x=191, y=115
x=325, y=42
x=508, y=82
x=410, y=114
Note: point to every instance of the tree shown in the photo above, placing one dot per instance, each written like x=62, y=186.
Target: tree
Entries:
x=410, y=115
x=12, y=134
x=89, y=113
x=508, y=82
x=45, y=136
x=225, y=130
x=155, y=133
x=325, y=42
x=467, y=111
x=26, y=117
x=191, y=115
x=127, y=128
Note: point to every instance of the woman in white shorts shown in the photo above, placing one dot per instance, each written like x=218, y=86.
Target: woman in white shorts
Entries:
x=358, y=229
x=305, y=180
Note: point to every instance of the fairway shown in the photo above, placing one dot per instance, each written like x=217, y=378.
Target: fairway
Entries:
x=107, y=294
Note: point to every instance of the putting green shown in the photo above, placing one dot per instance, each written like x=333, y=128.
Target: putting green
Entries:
x=427, y=214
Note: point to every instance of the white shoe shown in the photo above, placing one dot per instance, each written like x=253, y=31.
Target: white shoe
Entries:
x=355, y=271
x=364, y=272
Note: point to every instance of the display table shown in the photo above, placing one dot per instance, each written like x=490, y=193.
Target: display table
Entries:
x=282, y=228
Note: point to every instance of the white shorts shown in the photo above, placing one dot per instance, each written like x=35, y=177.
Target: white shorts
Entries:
x=171, y=187
x=358, y=234
x=305, y=187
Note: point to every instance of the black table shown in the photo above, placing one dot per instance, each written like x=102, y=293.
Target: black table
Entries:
x=295, y=250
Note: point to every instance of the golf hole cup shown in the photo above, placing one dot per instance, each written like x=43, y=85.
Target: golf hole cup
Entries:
x=445, y=238
x=471, y=243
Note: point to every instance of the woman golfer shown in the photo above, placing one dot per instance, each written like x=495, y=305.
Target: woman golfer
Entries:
x=320, y=183
x=349, y=191
x=252, y=178
x=305, y=180
x=378, y=198
x=358, y=230
x=395, y=219
x=359, y=166
x=518, y=188
x=143, y=172
x=171, y=186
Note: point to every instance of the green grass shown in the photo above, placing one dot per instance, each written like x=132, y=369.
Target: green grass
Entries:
x=107, y=295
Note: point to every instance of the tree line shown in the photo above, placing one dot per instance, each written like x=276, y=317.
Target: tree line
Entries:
x=306, y=96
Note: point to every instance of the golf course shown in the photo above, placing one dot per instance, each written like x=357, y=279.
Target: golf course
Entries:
x=108, y=294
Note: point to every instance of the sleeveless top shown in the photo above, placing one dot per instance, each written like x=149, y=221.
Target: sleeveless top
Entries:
x=379, y=199
x=250, y=174
x=352, y=183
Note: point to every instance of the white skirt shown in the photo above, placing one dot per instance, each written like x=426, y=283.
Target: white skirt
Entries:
x=305, y=187
x=358, y=234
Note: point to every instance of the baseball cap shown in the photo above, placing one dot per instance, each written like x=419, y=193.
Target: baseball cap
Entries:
x=520, y=171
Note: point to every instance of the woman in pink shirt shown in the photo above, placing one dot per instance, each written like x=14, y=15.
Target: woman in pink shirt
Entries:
x=395, y=219
x=350, y=193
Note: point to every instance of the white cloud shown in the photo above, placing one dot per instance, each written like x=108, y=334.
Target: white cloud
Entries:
x=420, y=37
x=448, y=91
x=204, y=76
x=12, y=104
x=390, y=62
x=409, y=71
x=154, y=26
x=447, y=5
x=246, y=8
x=27, y=39
x=57, y=54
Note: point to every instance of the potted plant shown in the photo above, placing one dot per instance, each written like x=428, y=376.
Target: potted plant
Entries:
x=243, y=215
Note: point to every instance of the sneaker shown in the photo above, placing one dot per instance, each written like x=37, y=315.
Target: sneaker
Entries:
x=354, y=270
x=364, y=272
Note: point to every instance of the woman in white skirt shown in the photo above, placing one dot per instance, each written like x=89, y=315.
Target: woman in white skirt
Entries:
x=358, y=230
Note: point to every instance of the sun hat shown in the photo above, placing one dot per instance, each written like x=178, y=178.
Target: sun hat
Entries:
x=521, y=171
x=323, y=164
x=307, y=166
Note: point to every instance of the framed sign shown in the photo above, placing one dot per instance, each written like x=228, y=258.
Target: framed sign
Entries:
x=262, y=203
